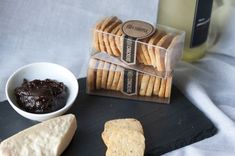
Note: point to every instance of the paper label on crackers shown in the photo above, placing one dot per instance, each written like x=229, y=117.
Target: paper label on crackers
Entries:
x=129, y=50
x=130, y=82
x=134, y=30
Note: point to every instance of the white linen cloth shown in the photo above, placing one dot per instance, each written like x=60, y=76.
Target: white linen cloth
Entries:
x=59, y=31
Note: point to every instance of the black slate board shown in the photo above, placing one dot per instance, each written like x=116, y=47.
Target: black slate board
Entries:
x=166, y=127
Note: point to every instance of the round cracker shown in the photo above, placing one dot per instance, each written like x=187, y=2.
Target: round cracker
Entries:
x=162, y=88
x=106, y=36
x=111, y=75
x=120, y=81
x=160, y=51
x=95, y=35
x=145, y=51
x=116, y=78
x=91, y=74
x=152, y=42
x=140, y=54
x=174, y=52
x=156, y=87
x=168, y=87
x=118, y=39
x=113, y=45
x=140, y=76
x=105, y=24
x=105, y=75
x=99, y=74
x=150, y=87
x=144, y=84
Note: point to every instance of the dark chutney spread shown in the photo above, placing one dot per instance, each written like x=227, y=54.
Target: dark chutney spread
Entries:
x=41, y=96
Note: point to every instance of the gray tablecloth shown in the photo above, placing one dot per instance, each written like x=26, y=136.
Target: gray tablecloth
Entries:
x=59, y=31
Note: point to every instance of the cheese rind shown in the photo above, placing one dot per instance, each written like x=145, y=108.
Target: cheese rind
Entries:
x=50, y=137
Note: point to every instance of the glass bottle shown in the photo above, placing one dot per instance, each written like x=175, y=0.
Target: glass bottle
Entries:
x=192, y=16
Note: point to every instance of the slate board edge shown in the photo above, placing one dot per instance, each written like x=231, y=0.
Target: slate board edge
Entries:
x=211, y=131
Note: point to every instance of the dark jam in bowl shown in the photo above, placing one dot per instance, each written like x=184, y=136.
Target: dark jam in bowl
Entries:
x=41, y=96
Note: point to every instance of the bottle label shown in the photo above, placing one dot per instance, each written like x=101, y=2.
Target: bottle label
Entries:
x=133, y=30
x=201, y=22
x=130, y=82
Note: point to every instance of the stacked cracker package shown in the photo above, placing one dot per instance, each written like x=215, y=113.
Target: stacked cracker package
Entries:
x=133, y=60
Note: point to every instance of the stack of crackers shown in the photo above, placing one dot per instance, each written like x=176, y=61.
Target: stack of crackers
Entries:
x=151, y=51
x=154, y=60
x=124, y=137
x=103, y=75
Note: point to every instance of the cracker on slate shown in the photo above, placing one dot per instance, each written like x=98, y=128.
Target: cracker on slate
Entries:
x=128, y=123
x=125, y=142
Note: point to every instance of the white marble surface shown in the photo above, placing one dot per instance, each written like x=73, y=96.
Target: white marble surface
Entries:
x=59, y=31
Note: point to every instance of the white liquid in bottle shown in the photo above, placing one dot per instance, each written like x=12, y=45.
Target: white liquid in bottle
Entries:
x=192, y=16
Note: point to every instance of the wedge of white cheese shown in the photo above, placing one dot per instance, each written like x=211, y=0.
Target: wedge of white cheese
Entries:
x=49, y=138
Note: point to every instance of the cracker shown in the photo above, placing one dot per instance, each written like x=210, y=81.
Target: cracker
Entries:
x=168, y=87
x=156, y=87
x=99, y=74
x=174, y=51
x=91, y=74
x=105, y=24
x=145, y=51
x=125, y=142
x=162, y=88
x=113, y=45
x=144, y=84
x=152, y=42
x=106, y=36
x=105, y=75
x=111, y=75
x=95, y=36
x=128, y=123
x=160, y=52
x=140, y=76
x=120, y=81
x=140, y=55
x=150, y=87
x=119, y=39
x=116, y=78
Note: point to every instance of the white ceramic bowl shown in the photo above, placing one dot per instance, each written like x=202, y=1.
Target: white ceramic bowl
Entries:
x=42, y=70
